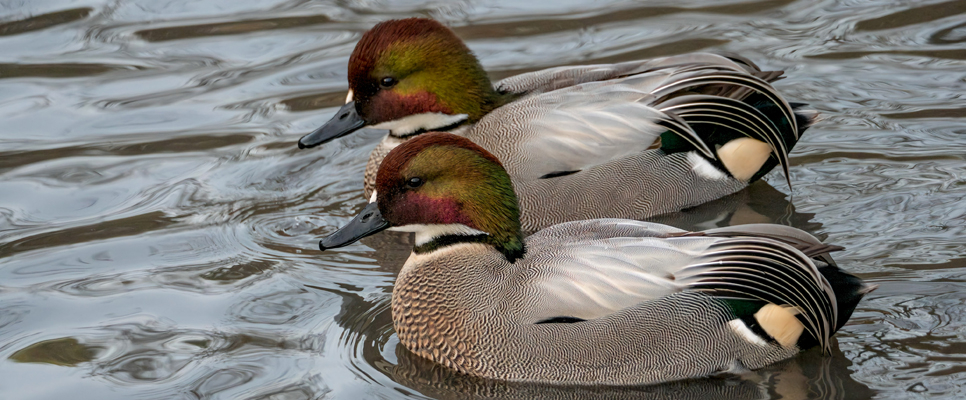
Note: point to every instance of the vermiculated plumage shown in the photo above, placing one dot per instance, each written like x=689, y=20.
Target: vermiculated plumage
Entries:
x=593, y=130
x=601, y=301
x=640, y=287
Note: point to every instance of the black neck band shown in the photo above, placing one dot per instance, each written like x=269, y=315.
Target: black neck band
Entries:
x=421, y=131
x=449, y=240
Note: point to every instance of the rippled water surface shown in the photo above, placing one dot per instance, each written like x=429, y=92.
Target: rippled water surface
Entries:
x=159, y=227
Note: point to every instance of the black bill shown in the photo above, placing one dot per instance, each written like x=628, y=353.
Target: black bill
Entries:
x=368, y=222
x=345, y=121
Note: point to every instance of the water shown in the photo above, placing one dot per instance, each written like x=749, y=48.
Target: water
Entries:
x=158, y=225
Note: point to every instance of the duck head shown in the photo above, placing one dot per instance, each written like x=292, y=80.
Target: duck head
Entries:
x=410, y=76
x=447, y=190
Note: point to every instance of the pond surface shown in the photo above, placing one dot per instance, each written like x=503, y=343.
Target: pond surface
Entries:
x=159, y=227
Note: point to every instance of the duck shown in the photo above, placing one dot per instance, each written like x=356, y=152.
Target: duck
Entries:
x=642, y=138
x=593, y=302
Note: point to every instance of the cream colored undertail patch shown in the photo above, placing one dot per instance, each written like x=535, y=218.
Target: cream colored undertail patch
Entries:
x=743, y=157
x=780, y=323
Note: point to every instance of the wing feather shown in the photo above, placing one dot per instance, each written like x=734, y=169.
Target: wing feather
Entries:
x=590, y=269
x=574, y=128
x=765, y=269
x=574, y=118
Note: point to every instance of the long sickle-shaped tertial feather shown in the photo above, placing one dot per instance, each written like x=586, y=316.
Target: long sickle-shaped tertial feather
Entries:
x=770, y=271
x=800, y=240
x=732, y=79
x=732, y=114
x=679, y=127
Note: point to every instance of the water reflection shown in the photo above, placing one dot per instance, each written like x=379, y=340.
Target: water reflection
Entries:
x=913, y=16
x=66, y=352
x=43, y=21
x=759, y=203
x=150, y=352
x=8, y=71
x=812, y=375
x=229, y=28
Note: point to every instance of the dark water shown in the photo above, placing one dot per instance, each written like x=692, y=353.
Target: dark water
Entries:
x=158, y=225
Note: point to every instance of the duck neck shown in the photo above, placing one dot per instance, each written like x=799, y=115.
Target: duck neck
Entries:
x=495, y=99
x=440, y=242
x=466, y=111
x=410, y=126
x=470, y=91
x=430, y=238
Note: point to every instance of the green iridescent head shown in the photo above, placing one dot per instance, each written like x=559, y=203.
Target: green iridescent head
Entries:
x=444, y=179
x=414, y=66
x=411, y=76
x=446, y=189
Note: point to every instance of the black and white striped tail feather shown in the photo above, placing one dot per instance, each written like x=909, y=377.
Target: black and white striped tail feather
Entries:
x=800, y=240
x=690, y=99
x=848, y=288
x=730, y=78
x=679, y=127
x=733, y=114
x=765, y=270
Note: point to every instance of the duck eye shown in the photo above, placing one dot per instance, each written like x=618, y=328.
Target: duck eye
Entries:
x=388, y=82
x=414, y=182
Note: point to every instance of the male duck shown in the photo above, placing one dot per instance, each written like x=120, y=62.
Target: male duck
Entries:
x=643, y=137
x=606, y=301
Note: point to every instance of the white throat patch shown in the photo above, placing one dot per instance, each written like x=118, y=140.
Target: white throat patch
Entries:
x=425, y=233
x=419, y=122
